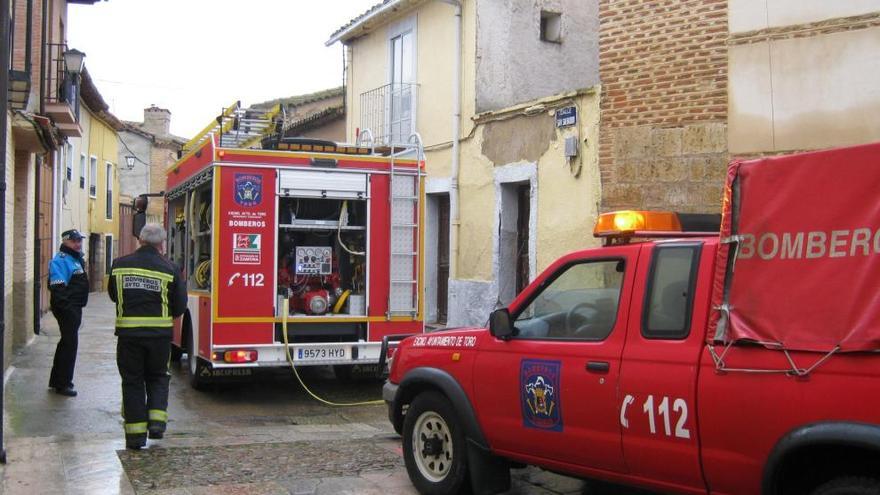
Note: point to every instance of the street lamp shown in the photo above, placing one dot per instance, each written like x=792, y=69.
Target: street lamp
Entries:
x=73, y=60
x=129, y=162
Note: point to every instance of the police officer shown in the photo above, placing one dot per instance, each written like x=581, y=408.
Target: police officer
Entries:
x=69, y=293
x=149, y=295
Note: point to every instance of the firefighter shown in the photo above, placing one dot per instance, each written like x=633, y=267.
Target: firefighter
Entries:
x=69, y=293
x=150, y=296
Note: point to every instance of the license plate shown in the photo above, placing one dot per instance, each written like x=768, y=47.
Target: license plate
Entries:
x=322, y=353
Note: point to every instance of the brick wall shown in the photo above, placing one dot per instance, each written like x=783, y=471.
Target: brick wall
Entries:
x=162, y=156
x=663, y=137
x=23, y=244
x=20, y=42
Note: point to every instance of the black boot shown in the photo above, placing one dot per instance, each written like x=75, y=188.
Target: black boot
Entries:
x=135, y=442
x=156, y=430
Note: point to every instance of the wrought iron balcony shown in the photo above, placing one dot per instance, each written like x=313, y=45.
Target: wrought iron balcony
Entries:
x=61, y=91
x=389, y=112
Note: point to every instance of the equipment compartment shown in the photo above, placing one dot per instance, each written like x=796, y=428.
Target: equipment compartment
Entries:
x=322, y=255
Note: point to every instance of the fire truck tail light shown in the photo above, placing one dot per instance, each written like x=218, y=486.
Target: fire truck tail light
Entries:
x=240, y=356
x=630, y=221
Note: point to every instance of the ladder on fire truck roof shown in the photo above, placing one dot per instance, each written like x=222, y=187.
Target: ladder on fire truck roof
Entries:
x=238, y=127
x=406, y=211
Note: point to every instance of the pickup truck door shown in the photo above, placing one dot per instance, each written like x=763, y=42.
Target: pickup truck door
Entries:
x=658, y=377
x=550, y=392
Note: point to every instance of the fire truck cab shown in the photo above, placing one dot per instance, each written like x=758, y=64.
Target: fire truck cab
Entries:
x=302, y=241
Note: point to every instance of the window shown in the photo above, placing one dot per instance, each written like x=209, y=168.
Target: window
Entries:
x=580, y=303
x=82, y=171
x=108, y=253
x=109, y=177
x=93, y=176
x=401, y=103
x=68, y=161
x=669, y=295
x=551, y=26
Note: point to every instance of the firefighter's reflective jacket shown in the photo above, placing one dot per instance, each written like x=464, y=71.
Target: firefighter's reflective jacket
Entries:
x=149, y=293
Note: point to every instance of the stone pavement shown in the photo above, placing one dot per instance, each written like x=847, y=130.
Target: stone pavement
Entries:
x=264, y=437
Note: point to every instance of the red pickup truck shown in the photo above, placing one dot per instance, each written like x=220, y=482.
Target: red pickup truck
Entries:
x=672, y=359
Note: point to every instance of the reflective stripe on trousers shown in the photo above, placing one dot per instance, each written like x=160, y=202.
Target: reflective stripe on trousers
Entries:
x=157, y=415
x=135, y=428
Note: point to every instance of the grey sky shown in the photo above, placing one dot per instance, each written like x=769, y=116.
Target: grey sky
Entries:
x=195, y=56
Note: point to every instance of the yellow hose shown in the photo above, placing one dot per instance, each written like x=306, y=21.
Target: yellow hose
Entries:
x=285, y=309
x=341, y=302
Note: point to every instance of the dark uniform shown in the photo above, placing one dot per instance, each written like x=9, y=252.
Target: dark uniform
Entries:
x=149, y=293
x=69, y=292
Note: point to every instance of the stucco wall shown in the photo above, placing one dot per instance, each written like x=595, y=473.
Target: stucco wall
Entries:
x=514, y=65
x=137, y=180
x=103, y=144
x=334, y=131
x=75, y=206
x=803, y=78
x=369, y=69
x=513, y=147
x=752, y=15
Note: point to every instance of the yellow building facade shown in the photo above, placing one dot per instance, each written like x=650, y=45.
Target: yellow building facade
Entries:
x=521, y=201
x=103, y=187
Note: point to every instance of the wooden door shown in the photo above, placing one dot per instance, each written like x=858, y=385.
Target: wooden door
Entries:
x=44, y=229
x=127, y=241
x=442, y=258
x=522, y=237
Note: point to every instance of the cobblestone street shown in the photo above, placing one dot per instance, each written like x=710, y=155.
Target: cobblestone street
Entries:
x=265, y=436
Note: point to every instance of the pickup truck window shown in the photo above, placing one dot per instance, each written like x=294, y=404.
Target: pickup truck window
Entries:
x=669, y=295
x=579, y=303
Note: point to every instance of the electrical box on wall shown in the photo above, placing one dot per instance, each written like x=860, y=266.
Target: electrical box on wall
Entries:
x=571, y=146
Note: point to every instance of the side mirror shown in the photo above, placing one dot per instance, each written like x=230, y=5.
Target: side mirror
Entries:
x=500, y=325
x=141, y=203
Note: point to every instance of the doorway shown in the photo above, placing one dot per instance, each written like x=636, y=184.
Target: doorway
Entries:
x=94, y=250
x=442, y=258
x=45, y=207
x=513, y=240
x=436, y=257
x=522, y=237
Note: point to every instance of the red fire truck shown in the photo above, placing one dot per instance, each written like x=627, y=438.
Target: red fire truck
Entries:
x=330, y=231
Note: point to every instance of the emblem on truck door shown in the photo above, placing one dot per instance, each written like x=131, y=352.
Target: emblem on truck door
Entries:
x=539, y=394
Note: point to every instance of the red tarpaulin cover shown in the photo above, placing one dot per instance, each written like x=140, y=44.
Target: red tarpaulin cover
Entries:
x=806, y=273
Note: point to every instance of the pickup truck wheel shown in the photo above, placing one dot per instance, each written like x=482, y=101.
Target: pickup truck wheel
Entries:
x=849, y=485
x=434, y=449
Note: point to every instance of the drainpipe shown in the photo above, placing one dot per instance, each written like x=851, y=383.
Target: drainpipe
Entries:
x=4, y=99
x=456, y=144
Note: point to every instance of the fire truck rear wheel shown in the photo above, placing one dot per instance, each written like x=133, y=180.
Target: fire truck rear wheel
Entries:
x=176, y=353
x=434, y=449
x=186, y=328
x=197, y=366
